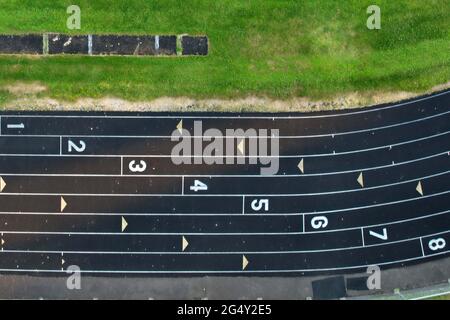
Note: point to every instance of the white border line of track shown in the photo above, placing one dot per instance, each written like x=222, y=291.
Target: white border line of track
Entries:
x=229, y=271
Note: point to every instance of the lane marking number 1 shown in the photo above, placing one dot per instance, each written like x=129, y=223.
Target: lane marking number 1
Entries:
x=15, y=126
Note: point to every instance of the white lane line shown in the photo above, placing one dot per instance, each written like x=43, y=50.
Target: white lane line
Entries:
x=362, y=237
x=268, y=271
x=232, y=233
x=388, y=224
x=182, y=185
x=378, y=204
x=225, y=175
x=334, y=153
x=226, y=271
x=255, y=116
x=243, y=204
x=121, y=166
x=224, y=195
x=231, y=214
x=421, y=246
x=332, y=135
x=226, y=252
x=431, y=296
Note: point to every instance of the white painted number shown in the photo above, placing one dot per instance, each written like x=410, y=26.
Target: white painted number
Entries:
x=198, y=186
x=319, y=222
x=383, y=236
x=436, y=244
x=137, y=167
x=72, y=145
x=257, y=205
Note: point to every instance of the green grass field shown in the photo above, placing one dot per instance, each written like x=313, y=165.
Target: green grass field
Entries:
x=269, y=48
x=446, y=297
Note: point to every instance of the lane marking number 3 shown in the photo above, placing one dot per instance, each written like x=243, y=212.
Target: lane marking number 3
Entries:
x=137, y=167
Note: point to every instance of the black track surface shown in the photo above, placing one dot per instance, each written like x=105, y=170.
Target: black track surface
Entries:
x=62, y=208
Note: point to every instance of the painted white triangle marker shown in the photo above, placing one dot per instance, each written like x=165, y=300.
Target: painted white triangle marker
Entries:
x=2, y=184
x=185, y=243
x=63, y=204
x=301, y=165
x=180, y=126
x=241, y=146
x=419, y=188
x=361, y=180
x=124, y=224
x=244, y=262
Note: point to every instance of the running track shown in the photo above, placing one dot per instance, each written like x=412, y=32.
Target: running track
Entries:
x=374, y=189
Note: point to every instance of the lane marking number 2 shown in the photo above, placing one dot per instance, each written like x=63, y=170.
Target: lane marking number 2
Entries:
x=78, y=148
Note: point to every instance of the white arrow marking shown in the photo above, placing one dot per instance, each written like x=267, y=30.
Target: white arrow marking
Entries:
x=241, y=146
x=63, y=204
x=244, y=262
x=361, y=180
x=185, y=243
x=180, y=126
x=124, y=224
x=301, y=165
x=2, y=184
x=419, y=188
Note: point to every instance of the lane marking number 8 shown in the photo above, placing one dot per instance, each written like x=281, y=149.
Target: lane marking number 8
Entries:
x=436, y=244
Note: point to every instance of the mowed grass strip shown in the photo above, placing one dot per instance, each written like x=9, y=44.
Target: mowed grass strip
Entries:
x=271, y=48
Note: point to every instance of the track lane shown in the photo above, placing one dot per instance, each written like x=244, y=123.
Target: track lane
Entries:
x=60, y=208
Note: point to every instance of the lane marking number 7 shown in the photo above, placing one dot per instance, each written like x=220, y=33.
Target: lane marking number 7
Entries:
x=383, y=236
